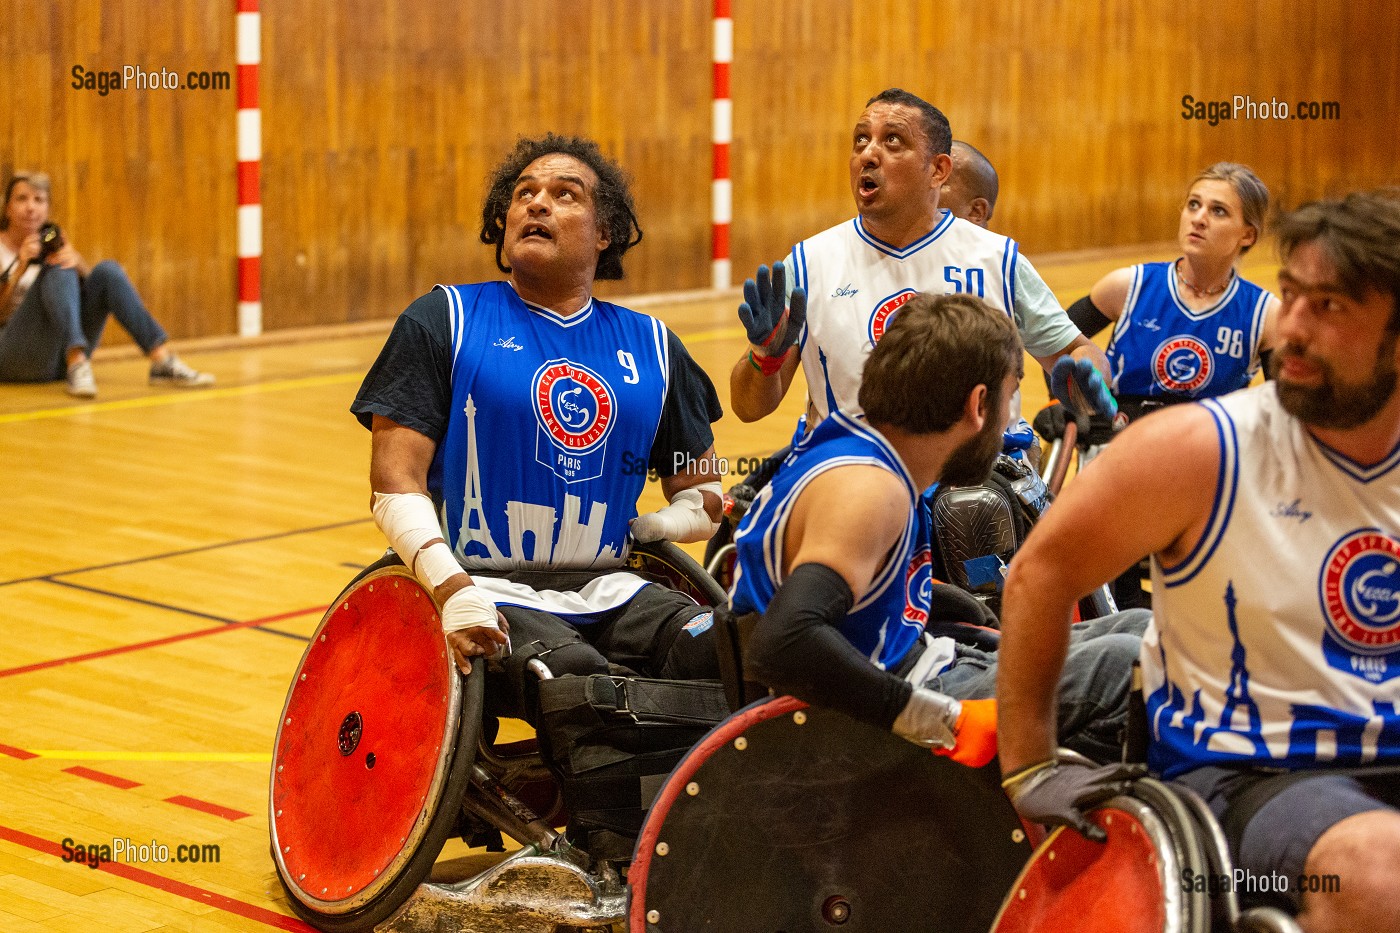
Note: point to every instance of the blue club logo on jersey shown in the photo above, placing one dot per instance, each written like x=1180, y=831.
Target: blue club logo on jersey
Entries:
x=918, y=586
x=884, y=313
x=1182, y=364
x=1359, y=590
x=574, y=407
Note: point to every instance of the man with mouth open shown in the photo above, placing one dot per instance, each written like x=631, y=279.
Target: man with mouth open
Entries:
x=514, y=423
x=855, y=276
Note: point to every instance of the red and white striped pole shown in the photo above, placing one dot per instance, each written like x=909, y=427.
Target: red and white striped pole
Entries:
x=721, y=189
x=247, y=54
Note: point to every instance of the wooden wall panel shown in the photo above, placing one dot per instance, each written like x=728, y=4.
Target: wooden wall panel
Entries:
x=145, y=177
x=1078, y=105
x=408, y=113
x=382, y=119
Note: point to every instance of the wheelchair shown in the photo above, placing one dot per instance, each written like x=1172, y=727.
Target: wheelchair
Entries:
x=1163, y=869
x=806, y=819
x=380, y=758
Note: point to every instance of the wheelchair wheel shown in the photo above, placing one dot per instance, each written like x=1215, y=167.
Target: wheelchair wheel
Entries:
x=1133, y=883
x=665, y=563
x=788, y=818
x=374, y=751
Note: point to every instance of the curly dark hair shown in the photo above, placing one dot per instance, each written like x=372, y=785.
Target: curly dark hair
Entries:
x=612, y=199
x=1360, y=234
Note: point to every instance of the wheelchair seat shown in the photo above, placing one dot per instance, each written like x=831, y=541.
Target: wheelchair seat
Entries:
x=381, y=756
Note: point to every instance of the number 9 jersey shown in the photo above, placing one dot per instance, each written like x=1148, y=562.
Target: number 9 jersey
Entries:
x=546, y=426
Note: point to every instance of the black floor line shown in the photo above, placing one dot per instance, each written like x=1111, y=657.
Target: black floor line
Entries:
x=167, y=606
x=193, y=550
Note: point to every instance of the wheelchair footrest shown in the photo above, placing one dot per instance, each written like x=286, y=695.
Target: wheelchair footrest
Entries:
x=526, y=893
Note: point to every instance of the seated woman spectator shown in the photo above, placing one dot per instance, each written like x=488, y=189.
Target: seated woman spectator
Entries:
x=53, y=306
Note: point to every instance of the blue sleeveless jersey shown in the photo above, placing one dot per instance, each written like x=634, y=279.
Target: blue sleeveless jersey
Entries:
x=1160, y=347
x=888, y=619
x=552, y=425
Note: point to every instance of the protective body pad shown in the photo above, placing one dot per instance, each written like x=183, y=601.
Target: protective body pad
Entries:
x=1131, y=884
x=365, y=749
x=786, y=818
x=976, y=534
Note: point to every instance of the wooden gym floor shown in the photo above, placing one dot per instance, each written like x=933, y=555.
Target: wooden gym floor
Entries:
x=164, y=557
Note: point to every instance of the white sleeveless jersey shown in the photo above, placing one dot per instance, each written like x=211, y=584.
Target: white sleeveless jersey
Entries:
x=1277, y=640
x=855, y=283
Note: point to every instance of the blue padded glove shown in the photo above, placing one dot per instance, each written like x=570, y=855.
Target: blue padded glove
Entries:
x=1077, y=384
x=762, y=311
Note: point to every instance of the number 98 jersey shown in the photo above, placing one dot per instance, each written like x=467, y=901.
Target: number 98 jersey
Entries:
x=1160, y=347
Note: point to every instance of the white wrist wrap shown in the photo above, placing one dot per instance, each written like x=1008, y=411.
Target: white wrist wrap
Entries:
x=436, y=565
x=409, y=522
x=684, y=520
x=928, y=719
x=469, y=607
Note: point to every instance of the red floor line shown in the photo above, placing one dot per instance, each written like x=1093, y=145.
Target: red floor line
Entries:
x=168, y=885
x=102, y=777
x=193, y=803
x=205, y=806
x=157, y=642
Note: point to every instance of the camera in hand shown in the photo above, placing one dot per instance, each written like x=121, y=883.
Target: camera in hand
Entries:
x=50, y=241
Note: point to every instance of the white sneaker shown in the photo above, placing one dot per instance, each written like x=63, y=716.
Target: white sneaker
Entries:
x=80, y=381
x=174, y=371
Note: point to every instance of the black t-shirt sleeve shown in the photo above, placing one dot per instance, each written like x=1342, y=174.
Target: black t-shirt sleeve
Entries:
x=692, y=405
x=411, y=381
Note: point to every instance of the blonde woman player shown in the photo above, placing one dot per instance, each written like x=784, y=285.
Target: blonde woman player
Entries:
x=1191, y=328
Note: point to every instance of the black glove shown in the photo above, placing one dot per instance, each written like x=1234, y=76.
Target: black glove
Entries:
x=1057, y=793
x=1050, y=422
x=762, y=311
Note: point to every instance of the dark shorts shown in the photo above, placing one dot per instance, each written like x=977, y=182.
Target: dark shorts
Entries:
x=1273, y=820
x=659, y=633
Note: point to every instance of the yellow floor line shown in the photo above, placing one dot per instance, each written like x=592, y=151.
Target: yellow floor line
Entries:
x=76, y=755
x=191, y=395
x=278, y=385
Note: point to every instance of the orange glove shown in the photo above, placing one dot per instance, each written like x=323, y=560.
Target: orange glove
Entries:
x=976, y=730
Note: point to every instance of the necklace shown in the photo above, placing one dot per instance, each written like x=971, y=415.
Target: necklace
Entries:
x=1203, y=292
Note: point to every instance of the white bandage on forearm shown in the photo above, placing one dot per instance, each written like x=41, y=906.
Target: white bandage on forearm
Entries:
x=684, y=520
x=409, y=522
x=929, y=719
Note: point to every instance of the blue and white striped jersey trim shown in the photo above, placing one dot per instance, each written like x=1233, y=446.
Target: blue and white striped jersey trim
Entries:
x=1226, y=484
x=1357, y=471
x=944, y=222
